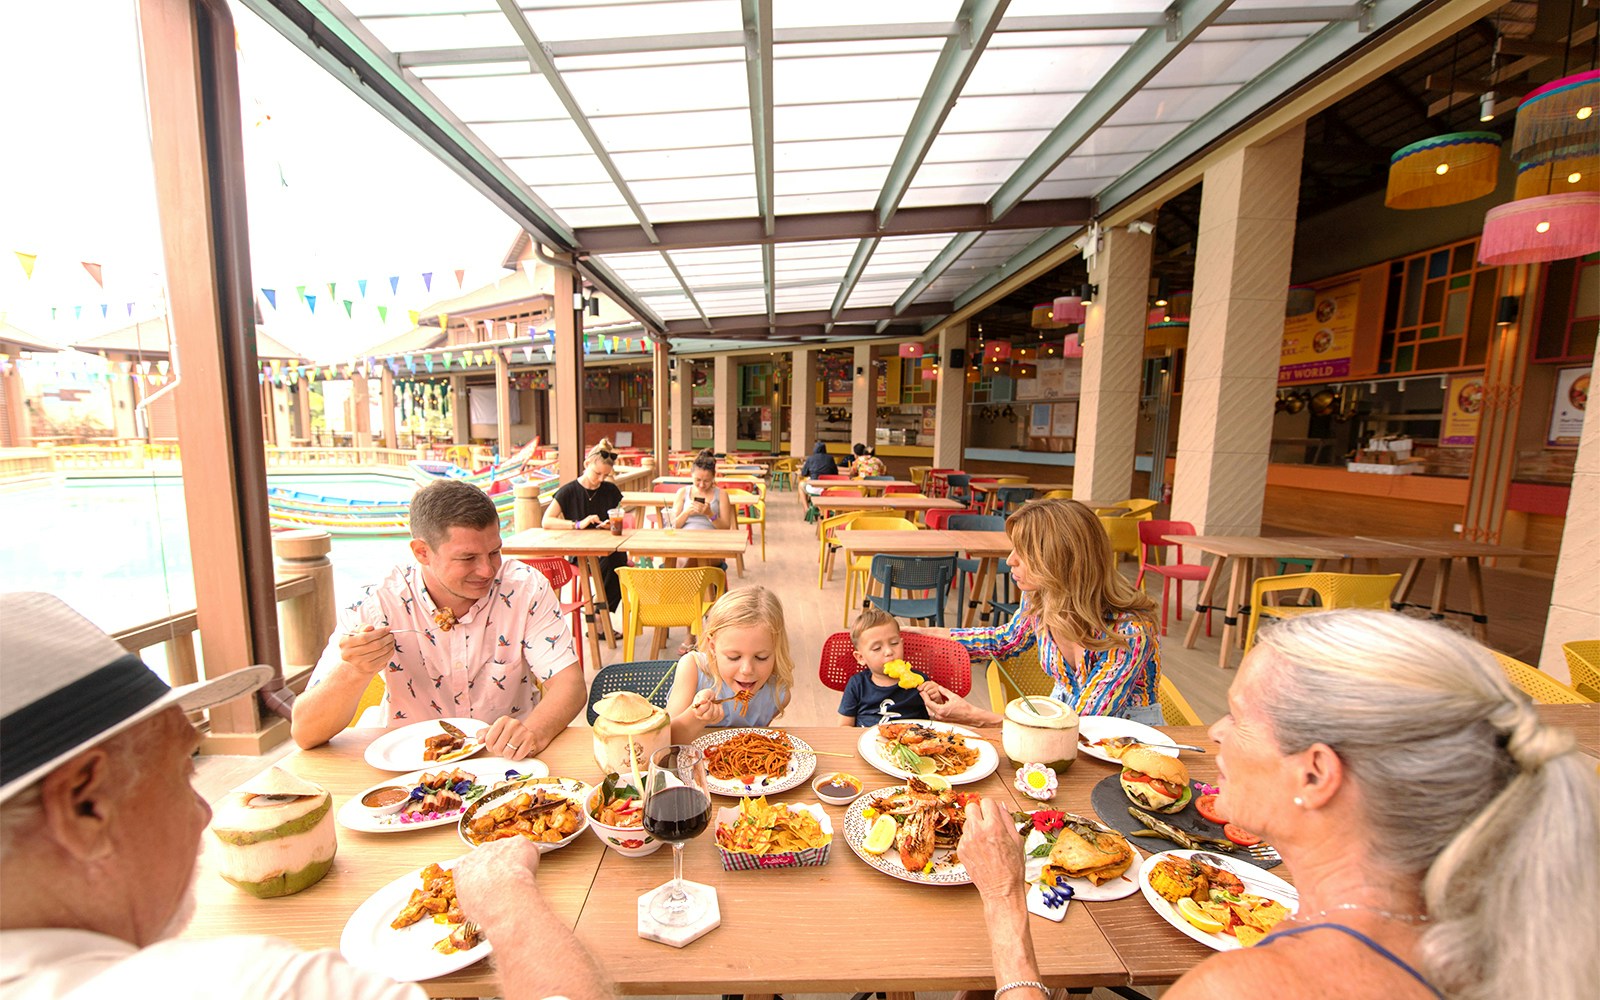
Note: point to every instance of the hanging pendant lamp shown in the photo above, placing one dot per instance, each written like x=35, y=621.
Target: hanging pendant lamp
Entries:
x=1562, y=113
x=1444, y=170
x=1574, y=169
x=1540, y=229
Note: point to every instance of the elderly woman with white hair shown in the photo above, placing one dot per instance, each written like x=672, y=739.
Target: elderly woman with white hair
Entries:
x=1444, y=840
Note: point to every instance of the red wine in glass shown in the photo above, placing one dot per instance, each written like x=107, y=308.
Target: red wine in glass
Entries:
x=677, y=814
x=677, y=808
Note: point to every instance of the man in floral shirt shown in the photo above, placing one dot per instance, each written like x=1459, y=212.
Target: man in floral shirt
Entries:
x=457, y=634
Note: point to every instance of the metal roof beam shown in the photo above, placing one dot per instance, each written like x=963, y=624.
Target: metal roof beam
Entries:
x=1016, y=262
x=761, y=332
x=807, y=317
x=1137, y=67
x=940, y=264
x=758, y=75
x=852, y=274
x=921, y=221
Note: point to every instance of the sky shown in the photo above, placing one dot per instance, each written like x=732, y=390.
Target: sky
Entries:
x=336, y=193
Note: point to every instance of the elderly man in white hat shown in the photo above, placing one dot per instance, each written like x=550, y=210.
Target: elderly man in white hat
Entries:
x=100, y=829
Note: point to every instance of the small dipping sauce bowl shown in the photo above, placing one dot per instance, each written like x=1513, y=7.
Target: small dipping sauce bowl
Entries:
x=385, y=801
x=837, y=789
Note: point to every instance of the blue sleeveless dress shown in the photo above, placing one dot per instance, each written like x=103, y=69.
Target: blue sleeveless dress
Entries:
x=760, y=710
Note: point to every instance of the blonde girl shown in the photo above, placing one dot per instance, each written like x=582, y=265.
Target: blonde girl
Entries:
x=744, y=647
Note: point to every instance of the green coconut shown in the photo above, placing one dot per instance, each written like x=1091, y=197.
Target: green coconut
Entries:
x=274, y=835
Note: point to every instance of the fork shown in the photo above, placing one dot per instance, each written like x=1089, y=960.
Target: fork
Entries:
x=1212, y=859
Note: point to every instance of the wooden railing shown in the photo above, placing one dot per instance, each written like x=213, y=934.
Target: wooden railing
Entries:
x=176, y=633
x=24, y=463
x=314, y=456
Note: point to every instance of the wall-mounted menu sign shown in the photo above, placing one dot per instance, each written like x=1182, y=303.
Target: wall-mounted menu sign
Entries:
x=1463, y=407
x=1571, y=402
x=1317, y=343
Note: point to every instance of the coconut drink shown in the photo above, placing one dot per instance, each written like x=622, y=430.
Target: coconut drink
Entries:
x=1040, y=730
x=274, y=835
x=627, y=730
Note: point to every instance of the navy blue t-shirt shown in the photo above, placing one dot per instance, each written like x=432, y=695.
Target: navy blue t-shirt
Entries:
x=863, y=699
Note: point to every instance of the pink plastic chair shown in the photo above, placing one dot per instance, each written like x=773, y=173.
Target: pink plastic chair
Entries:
x=1152, y=535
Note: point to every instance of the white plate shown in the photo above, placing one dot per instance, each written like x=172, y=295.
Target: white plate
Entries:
x=1120, y=887
x=856, y=827
x=488, y=770
x=405, y=955
x=1256, y=882
x=576, y=791
x=802, y=763
x=401, y=749
x=1102, y=727
x=871, y=749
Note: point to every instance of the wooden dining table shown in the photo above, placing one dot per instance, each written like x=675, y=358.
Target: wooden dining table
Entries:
x=898, y=501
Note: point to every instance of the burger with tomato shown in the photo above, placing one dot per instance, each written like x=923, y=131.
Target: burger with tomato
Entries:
x=1154, y=781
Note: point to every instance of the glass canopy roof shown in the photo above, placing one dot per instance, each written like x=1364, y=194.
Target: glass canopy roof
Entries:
x=762, y=171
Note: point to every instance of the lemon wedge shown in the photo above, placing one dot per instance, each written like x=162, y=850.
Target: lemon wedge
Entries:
x=936, y=782
x=926, y=766
x=1191, y=911
x=881, y=837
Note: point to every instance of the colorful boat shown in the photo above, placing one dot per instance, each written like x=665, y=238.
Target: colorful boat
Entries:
x=347, y=516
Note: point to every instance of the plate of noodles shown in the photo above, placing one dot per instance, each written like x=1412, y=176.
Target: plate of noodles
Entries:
x=920, y=748
x=743, y=762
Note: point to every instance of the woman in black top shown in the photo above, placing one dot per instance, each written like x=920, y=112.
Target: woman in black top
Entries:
x=586, y=502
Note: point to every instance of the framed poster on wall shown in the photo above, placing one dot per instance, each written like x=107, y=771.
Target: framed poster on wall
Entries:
x=1571, y=403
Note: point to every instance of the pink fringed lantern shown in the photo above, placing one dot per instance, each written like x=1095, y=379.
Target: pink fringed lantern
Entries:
x=1069, y=309
x=1536, y=230
x=1072, y=347
x=912, y=350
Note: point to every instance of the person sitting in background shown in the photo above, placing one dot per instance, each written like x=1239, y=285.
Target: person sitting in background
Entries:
x=1442, y=838
x=1096, y=633
x=819, y=463
x=866, y=463
x=100, y=832
x=702, y=505
x=875, y=638
x=455, y=634
x=587, y=502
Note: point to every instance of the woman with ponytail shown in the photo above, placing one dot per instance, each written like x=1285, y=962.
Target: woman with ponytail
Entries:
x=1444, y=841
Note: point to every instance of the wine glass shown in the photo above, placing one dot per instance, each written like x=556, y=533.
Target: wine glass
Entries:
x=677, y=808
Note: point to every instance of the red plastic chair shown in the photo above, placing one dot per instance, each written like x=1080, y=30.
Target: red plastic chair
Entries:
x=892, y=490
x=560, y=573
x=938, y=520
x=935, y=479
x=667, y=487
x=940, y=660
x=1152, y=535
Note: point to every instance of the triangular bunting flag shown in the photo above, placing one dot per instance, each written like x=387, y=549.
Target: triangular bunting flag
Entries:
x=77, y=312
x=427, y=280
x=52, y=310
x=394, y=285
x=527, y=353
x=130, y=308
x=414, y=316
x=26, y=260
x=549, y=352
x=332, y=294
x=460, y=275
x=300, y=290
x=311, y=300
x=383, y=314
x=362, y=284
x=444, y=321
x=347, y=307
x=272, y=296
x=94, y=272
x=103, y=308
x=429, y=362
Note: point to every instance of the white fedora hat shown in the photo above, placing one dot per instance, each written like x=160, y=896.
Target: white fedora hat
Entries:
x=65, y=685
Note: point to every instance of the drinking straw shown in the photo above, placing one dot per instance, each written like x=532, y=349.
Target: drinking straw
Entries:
x=1027, y=699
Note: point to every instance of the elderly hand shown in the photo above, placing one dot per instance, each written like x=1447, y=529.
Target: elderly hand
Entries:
x=510, y=739
x=367, y=649
x=484, y=875
x=705, y=708
x=991, y=850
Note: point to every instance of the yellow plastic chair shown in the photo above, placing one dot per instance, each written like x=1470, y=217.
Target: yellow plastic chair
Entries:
x=860, y=568
x=1025, y=668
x=757, y=516
x=784, y=472
x=1583, y=660
x=1175, y=708
x=1333, y=590
x=919, y=473
x=1057, y=495
x=828, y=542
x=1127, y=508
x=663, y=598
x=369, y=698
x=1123, y=531
x=1536, y=684
x=1011, y=480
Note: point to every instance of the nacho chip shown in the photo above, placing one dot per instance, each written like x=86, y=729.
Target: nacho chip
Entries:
x=763, y=828
x=1248, y=936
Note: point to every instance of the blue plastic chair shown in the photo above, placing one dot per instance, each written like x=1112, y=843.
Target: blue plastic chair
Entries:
x=959, y=484
x=640, y=677
x=881, y=479
x=925, y=573
x=966, y=567
x=1008, y=498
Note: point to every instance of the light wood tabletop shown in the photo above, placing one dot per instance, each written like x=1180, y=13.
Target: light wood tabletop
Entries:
x=898, y=501
x=707, y=544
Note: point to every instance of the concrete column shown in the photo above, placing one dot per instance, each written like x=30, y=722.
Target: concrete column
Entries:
x=502, y=405
x=659, y=381
x=302, y=408
x=390, y=438
x=567, y=396
x=460, y=411
x=1575, y=598
x=803, y=404
x=1241, y=281
x=282, y=416
x=863, y=397
x=680, y=405
x=16, y=423
x=123, y=401
x=361, y=410
x=1113, y=354
x=949, y=400
x=725, y=396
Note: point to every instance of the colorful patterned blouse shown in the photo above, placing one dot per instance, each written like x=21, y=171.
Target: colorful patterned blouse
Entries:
x=1104, y=683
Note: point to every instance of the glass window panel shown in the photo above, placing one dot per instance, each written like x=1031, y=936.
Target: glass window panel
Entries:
x=691, y=129
x=452, y=70
x=1481, y=320
x=1438, y=262
x=1587, y=297
x=1430, y=333
x=801, y=123
x=1441, y=354
x=789, y=182
x=671, y=163
x=482, y=29
x=1011, y=111
x=1461, y=259
x=700, y=257
x=695, y=188
x=976, y=173
x=689, y=211
x=826, y=13
x=632, y=60
x=829, y=249
x=633, y=20
x=1128, y=136
x=919, y=197
x=580, y=195
x=1052, y=8
x=1247, y=32
x=1407, y=336
x=580, y=218
x=878, y=77
x=1078, y=167
x=1085, y=188
x=1403, y=358
x=657, y=89
x=1203, y=63
x=1036, y=69
x=797, y=50
x=846, y=201
x=955, y=147
x=1433, y=302
x=833, y=153
x=1171, y=104
x=1413, y=291
x=1455, y=312
x=499, y=98
x=1114, y=38
x=528, y=138
x=538, y=170
x=1460, y=281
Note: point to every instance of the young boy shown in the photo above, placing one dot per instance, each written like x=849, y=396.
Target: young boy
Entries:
x=876, y=636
